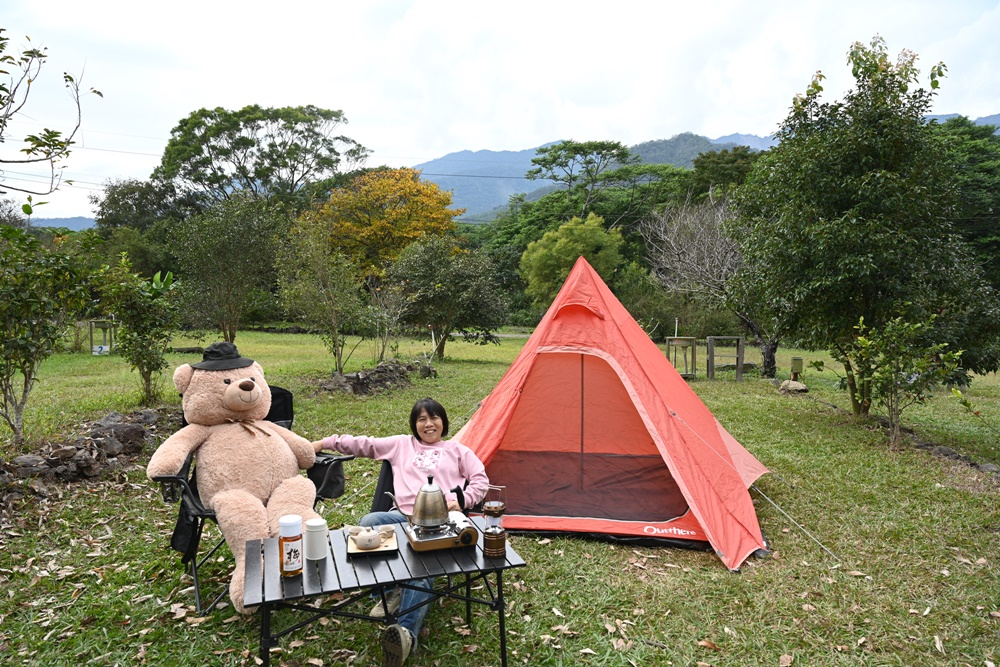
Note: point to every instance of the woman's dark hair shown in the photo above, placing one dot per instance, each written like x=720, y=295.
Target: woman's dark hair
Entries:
x=434, y=409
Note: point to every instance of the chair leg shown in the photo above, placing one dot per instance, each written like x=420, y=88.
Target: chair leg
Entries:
x=196, y=564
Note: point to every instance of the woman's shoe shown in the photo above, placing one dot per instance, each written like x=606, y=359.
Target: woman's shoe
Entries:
x=392, y=600
x=396, y=645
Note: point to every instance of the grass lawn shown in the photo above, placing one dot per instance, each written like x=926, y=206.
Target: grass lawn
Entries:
x=882, y=555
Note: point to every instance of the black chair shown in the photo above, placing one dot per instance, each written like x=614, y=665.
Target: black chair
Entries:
x=382, y=502
x=327, y=474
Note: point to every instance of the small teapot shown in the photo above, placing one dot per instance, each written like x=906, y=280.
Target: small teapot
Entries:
x=366, y=537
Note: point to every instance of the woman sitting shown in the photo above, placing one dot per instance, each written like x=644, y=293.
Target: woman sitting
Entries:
x=413, y=458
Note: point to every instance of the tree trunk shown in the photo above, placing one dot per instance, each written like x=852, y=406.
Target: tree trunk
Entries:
x=768, y=345
x=439, y=348
x=768, y=354
x=860, y=393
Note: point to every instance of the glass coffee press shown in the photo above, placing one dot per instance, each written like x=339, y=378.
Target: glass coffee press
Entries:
x=494, y=507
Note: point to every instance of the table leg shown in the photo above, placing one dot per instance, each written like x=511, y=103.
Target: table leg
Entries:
x=265, y=634
x=468, y=601
x=503, y=624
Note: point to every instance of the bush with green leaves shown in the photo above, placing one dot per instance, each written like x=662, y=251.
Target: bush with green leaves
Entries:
x=896, y=365
x=149, y=313
x=41, y=292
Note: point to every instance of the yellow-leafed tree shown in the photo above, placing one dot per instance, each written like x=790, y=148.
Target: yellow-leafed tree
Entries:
x=381, y=212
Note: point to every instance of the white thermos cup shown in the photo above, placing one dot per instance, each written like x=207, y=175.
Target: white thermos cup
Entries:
x=316, y=540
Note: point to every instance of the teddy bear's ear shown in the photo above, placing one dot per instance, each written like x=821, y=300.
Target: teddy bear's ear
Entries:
x=182, y=377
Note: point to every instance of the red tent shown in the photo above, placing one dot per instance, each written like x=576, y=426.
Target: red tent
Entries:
x=592, y=430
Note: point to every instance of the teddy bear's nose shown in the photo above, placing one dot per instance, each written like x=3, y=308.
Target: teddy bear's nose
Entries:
x=247, y=385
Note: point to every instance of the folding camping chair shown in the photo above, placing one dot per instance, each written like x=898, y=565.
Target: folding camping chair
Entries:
x=327, y=474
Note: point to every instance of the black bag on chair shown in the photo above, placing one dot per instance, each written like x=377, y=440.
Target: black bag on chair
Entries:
x=183, y=537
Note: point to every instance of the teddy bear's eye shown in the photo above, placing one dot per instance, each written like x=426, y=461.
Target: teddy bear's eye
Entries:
x=227, y=381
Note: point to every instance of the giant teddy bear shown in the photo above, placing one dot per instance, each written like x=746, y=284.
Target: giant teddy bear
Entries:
x=248, y=468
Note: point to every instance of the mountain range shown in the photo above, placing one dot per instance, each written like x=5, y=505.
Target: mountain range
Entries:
x=483, y=181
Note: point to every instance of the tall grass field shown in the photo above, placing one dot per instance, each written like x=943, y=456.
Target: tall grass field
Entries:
x=881, y=555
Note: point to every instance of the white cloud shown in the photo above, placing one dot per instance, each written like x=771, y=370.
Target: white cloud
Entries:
x=419, y=79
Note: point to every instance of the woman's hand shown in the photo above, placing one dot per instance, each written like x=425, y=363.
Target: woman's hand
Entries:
x=453, y=506
x=317, y=446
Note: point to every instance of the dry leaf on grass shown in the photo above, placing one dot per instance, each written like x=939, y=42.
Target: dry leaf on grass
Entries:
x=995, y=614
x=707, y=643
x=938, y=644
x=704, y=664
x=587, y=651
x=785, y=661
x=470, y=648
x=557, y=612
x=855, y=573
x=621, y=645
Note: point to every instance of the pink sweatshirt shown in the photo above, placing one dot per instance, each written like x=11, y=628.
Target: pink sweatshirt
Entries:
x=450, y=462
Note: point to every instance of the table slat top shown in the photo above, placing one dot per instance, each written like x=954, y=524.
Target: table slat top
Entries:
x=340, y=572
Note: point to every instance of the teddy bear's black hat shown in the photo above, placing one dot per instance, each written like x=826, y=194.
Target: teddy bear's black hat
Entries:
x=222, y=357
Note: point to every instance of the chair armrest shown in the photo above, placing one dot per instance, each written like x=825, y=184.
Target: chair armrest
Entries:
x=172, y=487
x=179, y=487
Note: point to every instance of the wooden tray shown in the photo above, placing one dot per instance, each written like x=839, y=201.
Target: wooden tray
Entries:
x=389, y=545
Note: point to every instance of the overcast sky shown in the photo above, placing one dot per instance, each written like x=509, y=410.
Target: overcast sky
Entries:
x=420, y=79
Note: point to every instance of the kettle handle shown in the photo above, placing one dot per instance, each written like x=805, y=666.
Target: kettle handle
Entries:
x=461, y=497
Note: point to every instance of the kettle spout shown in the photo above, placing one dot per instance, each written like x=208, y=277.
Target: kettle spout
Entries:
x=396, y=503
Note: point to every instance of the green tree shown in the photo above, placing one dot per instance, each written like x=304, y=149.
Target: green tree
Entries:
x=320, y=285
x=974, y=155
x=226, y=257
x=148, y=311
x=721, y=171
x=138, y=204
x=848, y=217
x=137, y=217
x=40, y=293
x=579, y=165
x=48, y=147
x=451, y=291
x=547, y=262
x=265, y=153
